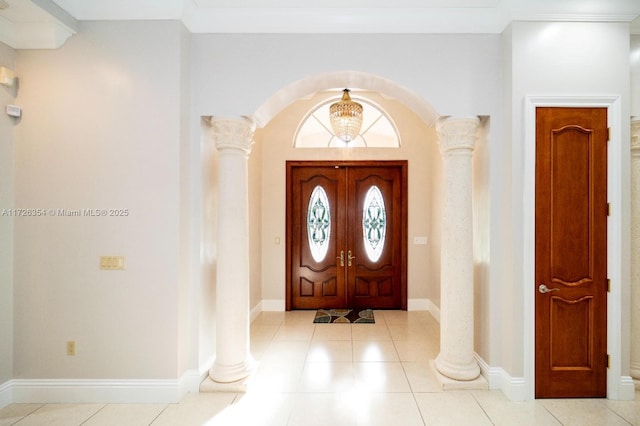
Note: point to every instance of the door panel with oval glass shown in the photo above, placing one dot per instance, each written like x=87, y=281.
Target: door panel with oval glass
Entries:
x=346, y=235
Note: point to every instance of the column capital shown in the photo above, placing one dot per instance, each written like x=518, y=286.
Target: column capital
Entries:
x=635, y=135
x=232, y=133
x=457, y=133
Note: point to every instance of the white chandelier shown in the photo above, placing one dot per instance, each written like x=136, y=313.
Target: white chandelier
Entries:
x=346, y=117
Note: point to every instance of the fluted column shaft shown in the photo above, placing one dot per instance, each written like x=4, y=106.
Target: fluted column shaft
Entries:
x=233, y=138
x=457, y=137
x=635, y=251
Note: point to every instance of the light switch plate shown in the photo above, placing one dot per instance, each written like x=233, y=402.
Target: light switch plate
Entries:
x=14, y=111
x=6, y=77
x=112, y=263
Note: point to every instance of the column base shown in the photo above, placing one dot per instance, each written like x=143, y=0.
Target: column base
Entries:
x=231, y=373
x=447, y=383
x=457, y=372
x=209, y=385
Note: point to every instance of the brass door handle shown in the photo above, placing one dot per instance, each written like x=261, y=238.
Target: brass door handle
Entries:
x=350, y=257
x=341, y=257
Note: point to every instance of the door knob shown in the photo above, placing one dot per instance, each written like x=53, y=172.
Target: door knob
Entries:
x=350, y=258
x=544, y=289
x=341, y=257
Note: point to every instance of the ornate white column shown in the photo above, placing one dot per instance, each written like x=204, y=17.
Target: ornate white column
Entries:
x=456, y=359
x=635, y=251
x=233, y=138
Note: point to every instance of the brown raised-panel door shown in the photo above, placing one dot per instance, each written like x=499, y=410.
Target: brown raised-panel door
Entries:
x=372, y=280
x=341, y=252
x=571, y=252
x=317, y=282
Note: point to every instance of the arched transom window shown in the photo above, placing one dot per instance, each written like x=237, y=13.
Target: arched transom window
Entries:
x=378, y=131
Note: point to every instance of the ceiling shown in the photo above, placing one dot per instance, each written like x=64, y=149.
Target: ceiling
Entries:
x=26, y=24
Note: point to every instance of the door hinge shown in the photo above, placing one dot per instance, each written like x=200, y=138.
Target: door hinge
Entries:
x=608, y=361
x=608, y=285
x=608, y=209
x=608, y=134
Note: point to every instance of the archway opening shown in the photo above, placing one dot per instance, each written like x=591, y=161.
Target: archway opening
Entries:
x=278, y=119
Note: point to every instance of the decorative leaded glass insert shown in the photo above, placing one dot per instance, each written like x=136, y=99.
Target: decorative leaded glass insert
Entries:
x=318, y=223
x=374, y=223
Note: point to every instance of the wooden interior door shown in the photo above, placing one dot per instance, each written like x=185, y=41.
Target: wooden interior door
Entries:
x=342, y=252
x=571, y=252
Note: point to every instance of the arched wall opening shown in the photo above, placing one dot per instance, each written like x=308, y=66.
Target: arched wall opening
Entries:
x=277, y=120
x=306, y=87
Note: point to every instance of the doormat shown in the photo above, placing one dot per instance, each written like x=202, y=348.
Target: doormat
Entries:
x=344, y=316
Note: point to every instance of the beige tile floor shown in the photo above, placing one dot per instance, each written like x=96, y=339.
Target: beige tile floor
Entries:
x=341, y=374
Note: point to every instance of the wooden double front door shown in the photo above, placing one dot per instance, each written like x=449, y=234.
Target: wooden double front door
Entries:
x=346, y=235
x=571, y=252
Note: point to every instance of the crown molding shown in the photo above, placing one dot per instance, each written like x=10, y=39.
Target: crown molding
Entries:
x=573, y=17
x=38, y=24
x=47, y=24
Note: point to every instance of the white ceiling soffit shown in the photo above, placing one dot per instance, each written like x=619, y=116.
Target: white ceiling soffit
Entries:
x=344, y=20
x=113, y=10
x=48, y=23
x=35, y=24
x=385, y=4
x=352, y=16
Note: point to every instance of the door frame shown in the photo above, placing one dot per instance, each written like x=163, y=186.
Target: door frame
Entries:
x=618, y=386
x=404, y=231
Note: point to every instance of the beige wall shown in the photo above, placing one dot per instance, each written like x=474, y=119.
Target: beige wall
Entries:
x=572, y=60
x=101, y=130
x=188, y=284
x=7, y=133
x=419, y=146
x=207, y=249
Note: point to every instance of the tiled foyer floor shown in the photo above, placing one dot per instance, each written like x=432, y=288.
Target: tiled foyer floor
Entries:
x=341, y=374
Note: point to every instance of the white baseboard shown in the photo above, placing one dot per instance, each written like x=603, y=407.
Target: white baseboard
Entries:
x=101, y=391
x=515, y=389
x=6, y=394
x=627, y=389
x=253, y=314
x=512, y=387
x=276, y=305
x=190, y=381
x=424, y=305
x=418, y=304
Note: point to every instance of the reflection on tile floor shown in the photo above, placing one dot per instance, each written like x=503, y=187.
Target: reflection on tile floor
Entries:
x=338, y=374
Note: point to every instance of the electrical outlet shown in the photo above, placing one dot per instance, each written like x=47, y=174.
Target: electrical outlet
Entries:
x=420, y=240
x=71, y=348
